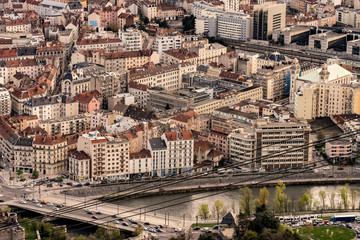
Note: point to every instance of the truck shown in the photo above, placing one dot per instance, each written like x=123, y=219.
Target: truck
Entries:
x=343, y=218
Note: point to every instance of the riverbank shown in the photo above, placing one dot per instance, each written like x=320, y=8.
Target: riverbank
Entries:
x=216, y=183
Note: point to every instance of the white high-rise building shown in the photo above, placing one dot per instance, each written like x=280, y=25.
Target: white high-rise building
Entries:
x=132, y=39
x=5, y=102
x=167, y=42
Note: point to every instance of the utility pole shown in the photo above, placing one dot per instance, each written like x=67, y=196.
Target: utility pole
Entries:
x=197, y=220
x=117, y=208
x=65, y=197
x=145, y=214
x=184, y=221
x=140, y=213
x=85, y=200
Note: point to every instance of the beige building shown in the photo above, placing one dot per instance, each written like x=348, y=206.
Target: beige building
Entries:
x=324, y=92
x=108, y=44
x=149, y=9
x=140, y=163
x=18, y=26
x=109, y=156
x=268, y=17
x=79, y=166
x=206, y=106
x=66, y=125
x=250, y=146
x=176, y=56
x=50, y=154
x=140, y=93
x=167, y=77
x=19, y=96
x=208, y=53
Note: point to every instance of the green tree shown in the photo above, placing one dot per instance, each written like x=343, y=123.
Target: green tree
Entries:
x=19, y=172
x=204, y=212
x=163, y=24
x=137, y=231
x=304, y=202
x=263, y=197
x=246, y=202
x=311, y=197
x=250, y=235
x=60, y=179
x=146, y=21
x=354, y=196
x=264, y=219
x=332, y=200
x=35, y=174
x=322, y=195
x=219, y=209
x=280, y=201
x=344, y=193
x=112, y=27
x=22, y=178
x=189, y=23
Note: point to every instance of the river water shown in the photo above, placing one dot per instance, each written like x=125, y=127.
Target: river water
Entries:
x=191, y=202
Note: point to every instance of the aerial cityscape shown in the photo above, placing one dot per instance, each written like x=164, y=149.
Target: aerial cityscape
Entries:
x=179, y=120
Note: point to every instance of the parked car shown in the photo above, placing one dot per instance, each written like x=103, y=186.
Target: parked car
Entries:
x=94, y=217
x=23, y=202
x=98, y=213
x=116, y=222
x=39, y=205
x=56, y=209
x=125, y=224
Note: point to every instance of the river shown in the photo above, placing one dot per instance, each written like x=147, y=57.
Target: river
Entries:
x=194, y=200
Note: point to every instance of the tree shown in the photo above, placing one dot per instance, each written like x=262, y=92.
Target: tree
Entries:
x=138, y=230
x=112, y=27
x=310, y=199
x=303, y=202
x=19, y=172
x=219, y=209
x=35, y=174
x=332, y=200
x=322, y=195
x=354, y=196
x=60, y=179
x=264, y=219
x=344, y=193
x=22, y=178
x=163, y=24
x=188, y=23
x=246, y=202
x=146, y=21
x=250, y=235
x=280, y=200
x=263, y=197
x=204, y=211
x=207, y=237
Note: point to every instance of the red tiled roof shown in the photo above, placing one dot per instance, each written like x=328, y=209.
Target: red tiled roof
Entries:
x=48, y=140
x=21, y=63
x=214, y=153
x=203, y=145
x=144, y=153
x=181, y=54
x=139, y=86
x=185, y=117
x=80, y=155
x=17, y=22
x=8, y=53
x=182, y=135
x=84, y=41
x=128, y=54
x=30, y=92
x=86, y=97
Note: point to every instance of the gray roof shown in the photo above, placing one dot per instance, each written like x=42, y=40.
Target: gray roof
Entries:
x=75, y=5
x=46, y=100
x=157, y=144
x=26, y=51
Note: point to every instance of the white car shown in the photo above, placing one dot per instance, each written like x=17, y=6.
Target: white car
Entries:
x=358, y=168
x=326, y=168
x=20, y=187
x=254, y=182
x=23, y=202
x=39, y=205
x=116, y=222
x=49, y=204
x=178, y=229
x=56, y=209
x=34, y=200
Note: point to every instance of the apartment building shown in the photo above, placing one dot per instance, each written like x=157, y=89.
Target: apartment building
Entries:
x=148, y=9
x=275, y=81
x=27, y=66
x=140, y=163
x=304, y=5
x=50, y=8
x=176, y=56
x=88, y=102
x=66, y=125
x=105, y=16
x=208, y=53
x=180, y=148
x=109, y=156
x=167, y=77
x=167, y=12
x=234, y=26
x=18, y=26
x=125, y=20
x=122, y=61
x=267, y=18
x=50, y=154
x=206, y=106
x=20, y=123
x=108, y=44
x=167, y=42
x=20, y=96
x=251, y=145
x=79, y=166
x=140, y=93
x=5, y=102
x=348, y=16
x=132, y=39
x=51, y=107
x=158, y=150
x=339, y=150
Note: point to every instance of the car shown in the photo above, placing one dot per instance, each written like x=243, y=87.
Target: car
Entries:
x=28, y=199
x=254, y=182
x=87, y=184
x=146, y=223
x=20, y=187
x=125, y=224
x=94, y=217
x=121, y=219
x=56, y=209
x=145, y=228
x=114, y=216
x=59, y=205
x=205, y=229
x=39, y=205
x=133, y=225
x=79, y=185
x=178, y=229
x=98, y=213
x=340, y=168
x=116, y=222
x=208, y=231
x=160, y=226
x=34, y=200
x=358, y=168
x=88, y=211
x=69, y=184
x=326, y=168
x=49, y=204
x=152, y=229
x=23, y=202
x=196, y=228
x=216, y=227
x=133, y=221
x=159, y=230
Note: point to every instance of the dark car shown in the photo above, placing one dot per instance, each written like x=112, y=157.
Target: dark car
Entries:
x=98, y=213
x=121, y=219
x=125, y=224
x=87, y=184
x=69, y=183
x=340, y=168
x=79, y=185
x=146, y=223
x=196, y=228
x=216, y=227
